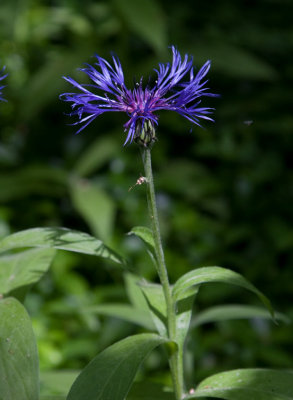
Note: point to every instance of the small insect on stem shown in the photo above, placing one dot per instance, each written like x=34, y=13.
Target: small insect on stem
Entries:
x=140, y=181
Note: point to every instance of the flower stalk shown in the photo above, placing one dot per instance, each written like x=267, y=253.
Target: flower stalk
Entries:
x=175, y=356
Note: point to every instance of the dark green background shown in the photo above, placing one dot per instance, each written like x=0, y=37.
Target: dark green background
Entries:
x=224, y=192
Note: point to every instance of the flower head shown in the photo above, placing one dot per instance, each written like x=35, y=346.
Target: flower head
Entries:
x=1, y=87
x=177, y=88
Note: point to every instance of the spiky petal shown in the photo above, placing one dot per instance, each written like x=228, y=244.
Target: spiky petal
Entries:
x=2, y=76
x=177, y=88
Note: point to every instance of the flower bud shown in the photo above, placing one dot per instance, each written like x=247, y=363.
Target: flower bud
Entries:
x=145, y=135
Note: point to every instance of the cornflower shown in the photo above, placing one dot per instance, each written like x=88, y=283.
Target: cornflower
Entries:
x=1, y=87
x=177, y=88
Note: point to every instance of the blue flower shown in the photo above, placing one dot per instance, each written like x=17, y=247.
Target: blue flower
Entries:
x=177, y=88
x=1, y=87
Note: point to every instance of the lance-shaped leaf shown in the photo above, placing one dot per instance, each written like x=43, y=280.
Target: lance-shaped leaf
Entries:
x=234, y=311
x=123, y=311
x=157, y=305
x=24, y=268
x=146, y=235
x=138, y=312
x=110, y=374
x=192, y=279
x=19, y=370
x=244, y=384
x=56, y=384
x=148, y=390
x=59, y=238
x=183, y=317
x=95, y=206
x=53, y=397
x=102, y=150
x=138, y=16
x=134, y=292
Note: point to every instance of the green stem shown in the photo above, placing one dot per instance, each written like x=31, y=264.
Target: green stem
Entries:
x=175, y=358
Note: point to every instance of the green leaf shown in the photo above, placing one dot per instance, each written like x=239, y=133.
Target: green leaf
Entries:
x=146, y=235
x=134, y=292
x=215, y=274
x=147, y=390
x=53, y=383
x=244, y=384
x=157, y=305
x=123, y=311
x=59, y=238
x=183, y=317
x=95, y=206
x=45, y=84
x=146, y=19
x=24, y=268
x=19, y=370
x=33, y=179
x=110, y=374
x=234, y=61
x=99, y=152
x=53, y=397
x=183, y=310
x=235, y=311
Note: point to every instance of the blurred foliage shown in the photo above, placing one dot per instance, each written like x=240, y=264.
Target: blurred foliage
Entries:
x=224, y=192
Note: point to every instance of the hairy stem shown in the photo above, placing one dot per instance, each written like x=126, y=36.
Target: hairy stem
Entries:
x=175, y=357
